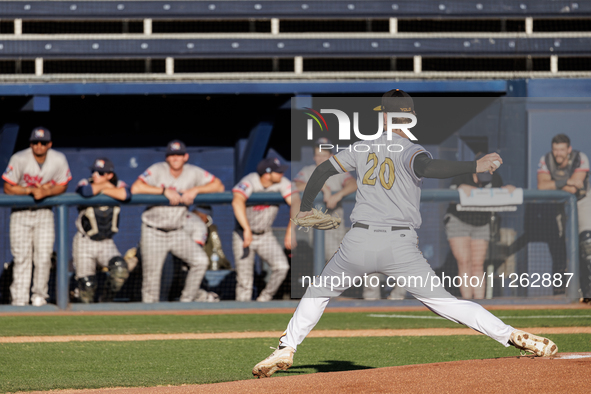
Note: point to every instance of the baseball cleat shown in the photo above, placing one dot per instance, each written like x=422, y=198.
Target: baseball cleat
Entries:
x=281, y=358
x=530, y=343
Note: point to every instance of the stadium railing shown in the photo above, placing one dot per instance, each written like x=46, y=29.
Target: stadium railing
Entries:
x=408, y=39
x=62, y=203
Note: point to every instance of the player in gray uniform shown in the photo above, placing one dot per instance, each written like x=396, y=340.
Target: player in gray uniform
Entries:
x=162, y=226
x=383, y=237
x=334, y=190
x=93, y=243
x=567, y=169
x=41, y=172
x=254, y=234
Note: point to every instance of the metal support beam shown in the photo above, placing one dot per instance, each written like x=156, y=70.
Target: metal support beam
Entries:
x=254, y=151
x=63, y=252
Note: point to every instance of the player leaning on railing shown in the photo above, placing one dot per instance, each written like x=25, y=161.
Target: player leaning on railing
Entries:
x=383, y=238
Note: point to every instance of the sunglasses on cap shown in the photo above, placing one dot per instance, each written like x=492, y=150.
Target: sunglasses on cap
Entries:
x=44, y=143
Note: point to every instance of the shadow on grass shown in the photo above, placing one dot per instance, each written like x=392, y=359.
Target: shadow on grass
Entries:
x=331, y=366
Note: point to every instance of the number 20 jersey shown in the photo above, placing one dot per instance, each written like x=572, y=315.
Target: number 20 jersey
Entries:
x=388, y=190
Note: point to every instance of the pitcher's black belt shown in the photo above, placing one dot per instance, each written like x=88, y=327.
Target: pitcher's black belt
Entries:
x=393, y=228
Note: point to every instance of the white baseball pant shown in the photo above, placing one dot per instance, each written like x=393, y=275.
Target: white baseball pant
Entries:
x=155, y=245
x=267, y=247
x=87, y=253
x=396, y=254
x=32, y=233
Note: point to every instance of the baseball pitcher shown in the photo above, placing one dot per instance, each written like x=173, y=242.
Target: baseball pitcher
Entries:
x=383, y=237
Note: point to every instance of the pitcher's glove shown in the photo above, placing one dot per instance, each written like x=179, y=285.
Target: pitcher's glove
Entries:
x=318, y=220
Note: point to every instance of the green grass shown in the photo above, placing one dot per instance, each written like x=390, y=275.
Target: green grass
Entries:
x=78, y=365
x=151, y=324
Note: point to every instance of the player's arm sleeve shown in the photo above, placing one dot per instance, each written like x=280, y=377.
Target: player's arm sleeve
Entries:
x=13, y=172
x=243, y=187
x=84, y=188
x=63, y=175
x=286, y=189
x=127, y=188
x=425, y=167
x=314, y=185
x=584, y=165
x=150, y=176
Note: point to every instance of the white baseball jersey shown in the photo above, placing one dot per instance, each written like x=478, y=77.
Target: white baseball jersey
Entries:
x=334, y=183
x=24, y=170
x=195, y=227
x=388, y=190
x=158, y=174
x=261, y=217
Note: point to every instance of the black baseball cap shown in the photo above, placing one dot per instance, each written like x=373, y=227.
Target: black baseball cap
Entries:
x=102, y=164
x=396, y=100
x=176, y=147
x=271, y=164
x=40, y=134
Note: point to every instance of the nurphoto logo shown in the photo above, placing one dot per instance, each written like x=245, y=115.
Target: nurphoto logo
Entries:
x=345, y=128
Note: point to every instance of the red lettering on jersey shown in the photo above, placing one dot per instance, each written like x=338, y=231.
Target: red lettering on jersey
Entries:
x=32, y=180
x=260, y=207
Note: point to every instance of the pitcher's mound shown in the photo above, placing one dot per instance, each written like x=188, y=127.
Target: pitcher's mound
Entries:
x=565, y=373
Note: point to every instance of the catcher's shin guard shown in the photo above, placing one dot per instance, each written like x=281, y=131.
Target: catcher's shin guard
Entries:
x=116, y=277
x=86, y=288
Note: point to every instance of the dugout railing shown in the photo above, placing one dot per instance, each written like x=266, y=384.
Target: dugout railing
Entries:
x=63, y=202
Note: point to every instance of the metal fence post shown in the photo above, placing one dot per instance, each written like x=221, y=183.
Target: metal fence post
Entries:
x=62, y=282
x=572, y=248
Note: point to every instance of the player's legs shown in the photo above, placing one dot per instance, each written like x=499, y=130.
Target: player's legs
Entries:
x=21, y=246
x=478, y=249
x=244, y=264
x=409, y=267
x=43, y=238
x=106, y=250
x=353, y=259
x=191, y=253
x=84, y=254
x=371, y=292
x=155, y=246
x=461, y=249
x=269, y=250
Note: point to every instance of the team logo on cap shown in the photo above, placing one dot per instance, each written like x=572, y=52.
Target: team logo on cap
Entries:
x=175, y=146
x=99, y=164
x=276, y=161
x=39, y=133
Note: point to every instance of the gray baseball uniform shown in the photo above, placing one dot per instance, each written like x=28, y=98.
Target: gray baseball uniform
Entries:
x=383, y=239
x=162, y=232
x=583, y=204
x=196, y=228
x=32, y=229
x=332, y=238
x=264, y=243
x=88, y=252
